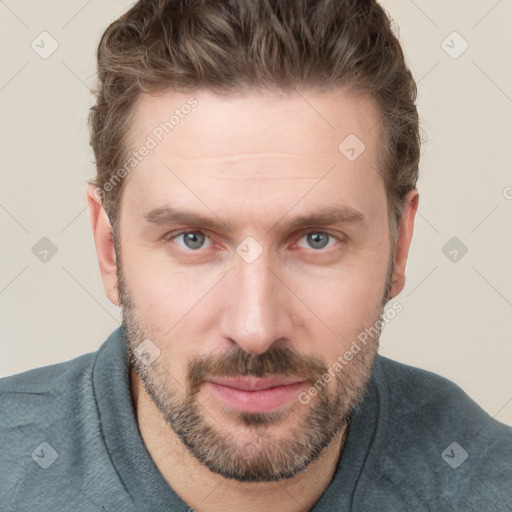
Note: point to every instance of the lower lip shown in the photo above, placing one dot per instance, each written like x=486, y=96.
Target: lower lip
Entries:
x=264, y=400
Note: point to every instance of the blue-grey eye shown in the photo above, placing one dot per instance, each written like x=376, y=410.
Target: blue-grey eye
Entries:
x=318, y=240
x=192, y=239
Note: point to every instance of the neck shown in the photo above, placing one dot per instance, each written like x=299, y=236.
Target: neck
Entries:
x=205, y=491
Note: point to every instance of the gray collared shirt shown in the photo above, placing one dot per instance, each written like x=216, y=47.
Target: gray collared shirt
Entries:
x=69, y=441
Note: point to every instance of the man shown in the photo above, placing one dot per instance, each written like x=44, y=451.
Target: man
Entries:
x=252, y=214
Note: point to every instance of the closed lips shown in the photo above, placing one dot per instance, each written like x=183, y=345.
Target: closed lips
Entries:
x=256, y=384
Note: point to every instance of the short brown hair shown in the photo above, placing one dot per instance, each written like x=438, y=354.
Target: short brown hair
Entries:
x=231, y=45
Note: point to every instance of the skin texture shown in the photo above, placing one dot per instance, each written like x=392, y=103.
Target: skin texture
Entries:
x=252, y=162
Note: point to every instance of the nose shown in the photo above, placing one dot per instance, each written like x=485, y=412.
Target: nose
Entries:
x=256, y=308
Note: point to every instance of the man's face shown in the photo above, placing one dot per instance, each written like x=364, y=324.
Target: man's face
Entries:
x=256, y=290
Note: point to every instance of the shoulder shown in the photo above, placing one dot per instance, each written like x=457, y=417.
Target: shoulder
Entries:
x=45, y=378
x=436, y=444
x=31, y=396
x=44, y=403
x=50, y=432
x=434, y=401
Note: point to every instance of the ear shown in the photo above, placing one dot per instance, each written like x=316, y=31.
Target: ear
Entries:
x=405, y=230
x=101, y=230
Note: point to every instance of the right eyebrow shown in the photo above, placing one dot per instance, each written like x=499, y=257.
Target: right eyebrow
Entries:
x=166, y=215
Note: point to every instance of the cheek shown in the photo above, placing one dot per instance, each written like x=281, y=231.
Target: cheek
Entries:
x=349, y=291
x=157, y=286
x=345, y=304
x=174, y=304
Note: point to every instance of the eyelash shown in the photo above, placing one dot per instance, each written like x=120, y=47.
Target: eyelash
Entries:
x=171, y=236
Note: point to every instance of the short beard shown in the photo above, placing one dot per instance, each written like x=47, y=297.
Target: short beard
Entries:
x=264, y=457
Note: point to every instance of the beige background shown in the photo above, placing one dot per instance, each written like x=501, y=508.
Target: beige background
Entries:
x=457, y=315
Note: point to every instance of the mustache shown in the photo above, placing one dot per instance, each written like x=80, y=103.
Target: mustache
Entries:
x=237, y=363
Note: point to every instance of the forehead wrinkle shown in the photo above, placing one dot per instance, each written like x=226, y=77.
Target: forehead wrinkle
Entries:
x=250, y=156
x=231, y=167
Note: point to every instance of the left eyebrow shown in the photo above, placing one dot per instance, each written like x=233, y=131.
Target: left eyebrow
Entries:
x=324, y=217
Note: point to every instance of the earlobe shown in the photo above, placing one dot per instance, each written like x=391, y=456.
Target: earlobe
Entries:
x=405, y=232
x=103, y=239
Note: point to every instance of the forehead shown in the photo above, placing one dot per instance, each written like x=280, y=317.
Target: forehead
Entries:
x=272, y=145
x=296, y=122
